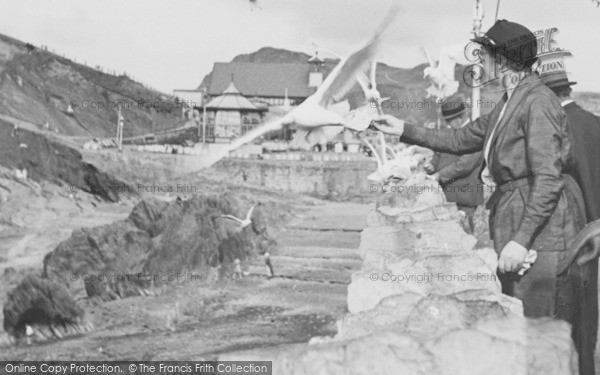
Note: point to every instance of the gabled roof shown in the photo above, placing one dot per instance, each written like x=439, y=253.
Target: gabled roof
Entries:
x=231, y=99
x=263, y=79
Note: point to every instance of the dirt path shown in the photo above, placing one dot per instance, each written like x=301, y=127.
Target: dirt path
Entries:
x=317, y=255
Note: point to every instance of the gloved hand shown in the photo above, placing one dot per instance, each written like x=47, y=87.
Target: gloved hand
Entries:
x=512, y=257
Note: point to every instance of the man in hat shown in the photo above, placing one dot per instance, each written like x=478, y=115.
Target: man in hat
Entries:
x=585, y=135
x=458, y=175
x=536, y=205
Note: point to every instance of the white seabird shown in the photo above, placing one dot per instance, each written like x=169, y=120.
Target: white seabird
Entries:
x=314, y=111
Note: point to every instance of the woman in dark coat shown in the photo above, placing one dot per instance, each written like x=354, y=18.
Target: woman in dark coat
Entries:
x=536, y=206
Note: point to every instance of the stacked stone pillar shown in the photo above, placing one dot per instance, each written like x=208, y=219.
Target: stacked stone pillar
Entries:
x=427, y=302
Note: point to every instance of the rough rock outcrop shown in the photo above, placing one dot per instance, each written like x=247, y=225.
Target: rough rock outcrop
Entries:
x=159, y=242
x=44, y=305
x=541, y=347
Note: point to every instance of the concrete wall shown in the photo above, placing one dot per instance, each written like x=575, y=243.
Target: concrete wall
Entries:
x=328, y=179
x=331, y=179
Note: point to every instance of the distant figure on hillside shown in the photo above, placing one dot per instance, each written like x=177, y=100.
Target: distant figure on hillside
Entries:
x=237, y=269
x=28, y=333
x=269, y=266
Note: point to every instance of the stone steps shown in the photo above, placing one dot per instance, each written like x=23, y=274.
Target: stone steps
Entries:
x=425, y=302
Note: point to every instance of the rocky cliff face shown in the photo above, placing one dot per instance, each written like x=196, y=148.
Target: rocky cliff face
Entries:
x=427, y=302
x=47, y=158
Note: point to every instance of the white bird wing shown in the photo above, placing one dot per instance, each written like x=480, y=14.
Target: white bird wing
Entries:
x=432, y=63
x=382, y=148
x=343, y=77
x=449, y=57
x=360, y=118
x=248, y=137
x=391, y=151
x=230, y=217
x=373, y=150
x=363, y=81
x=305, y=138
x=374, y=74
x=249, y=214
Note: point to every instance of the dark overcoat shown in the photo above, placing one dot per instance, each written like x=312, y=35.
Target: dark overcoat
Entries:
x=585, y=135
x=535, y=203
x=459, y=177
x=531, y=141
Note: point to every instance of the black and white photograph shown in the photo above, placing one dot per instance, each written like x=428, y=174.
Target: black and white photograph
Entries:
x=299, y=187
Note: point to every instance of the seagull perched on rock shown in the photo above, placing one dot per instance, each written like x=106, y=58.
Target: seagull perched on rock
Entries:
x=314, y=112
x=399, y=166
x=245, y=222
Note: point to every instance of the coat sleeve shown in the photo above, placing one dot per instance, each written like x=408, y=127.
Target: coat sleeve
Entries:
x=460, y=168
x=544, y=145
x=465, y=140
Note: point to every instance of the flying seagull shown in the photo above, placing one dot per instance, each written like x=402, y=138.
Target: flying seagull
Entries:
x=369, y=86
x=314, y=111
x=441, y=75
x=245, y=222
x=354, y=120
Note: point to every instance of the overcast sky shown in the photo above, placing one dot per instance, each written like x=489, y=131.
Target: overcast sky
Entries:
x=173, y=44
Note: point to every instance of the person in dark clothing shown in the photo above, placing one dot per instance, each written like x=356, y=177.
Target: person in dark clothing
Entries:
x=584, y=128
x=585, y=137
x=536, y=205
x=269, y=265
x=458, y=175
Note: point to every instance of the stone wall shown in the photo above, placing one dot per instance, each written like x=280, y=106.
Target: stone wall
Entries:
x=427, y=302
x=332, y=179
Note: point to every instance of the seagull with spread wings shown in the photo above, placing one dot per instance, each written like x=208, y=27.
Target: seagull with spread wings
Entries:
x=441, y=75
x=243, y=222
x=369, y=86
x=314, y=112
x=357, y=120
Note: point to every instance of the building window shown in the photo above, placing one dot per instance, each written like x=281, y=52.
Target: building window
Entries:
x=228, y=118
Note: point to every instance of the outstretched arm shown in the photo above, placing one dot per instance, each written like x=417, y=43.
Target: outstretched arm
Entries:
x=466, y=140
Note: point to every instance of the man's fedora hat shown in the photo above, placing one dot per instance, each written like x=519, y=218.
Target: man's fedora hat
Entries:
x=556, y=79
x=512, y=40
x=453, y=107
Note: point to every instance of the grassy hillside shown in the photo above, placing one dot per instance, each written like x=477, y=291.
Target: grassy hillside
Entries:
x=38, y=86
